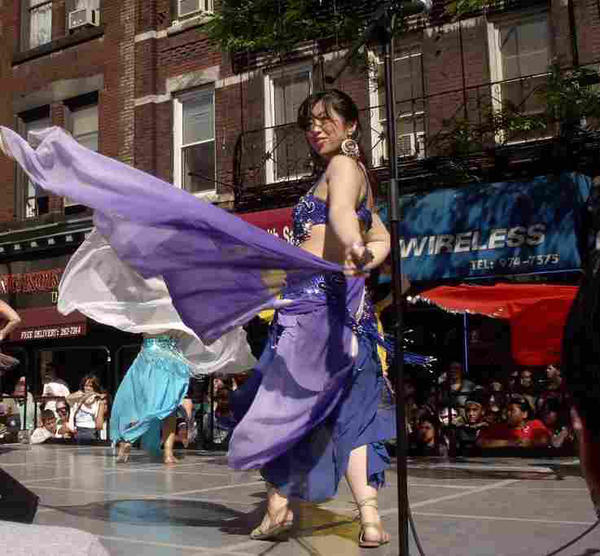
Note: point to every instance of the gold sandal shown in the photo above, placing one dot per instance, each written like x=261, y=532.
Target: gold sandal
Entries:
x=274, y=531
x=362, y=542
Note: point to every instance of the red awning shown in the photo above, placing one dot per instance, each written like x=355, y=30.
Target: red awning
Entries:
x=276, y=221
x=536, y=312
x=42, y=323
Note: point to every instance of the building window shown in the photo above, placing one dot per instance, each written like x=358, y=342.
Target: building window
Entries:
x=84, y=125
x=288, y=155
x=82, y=121
x=187, y=8
x=519, y=56
x=410, y=106
x=36, y=22
x=194, y=138
x=32, y=201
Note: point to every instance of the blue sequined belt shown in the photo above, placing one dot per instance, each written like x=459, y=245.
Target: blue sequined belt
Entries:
x=330, y=286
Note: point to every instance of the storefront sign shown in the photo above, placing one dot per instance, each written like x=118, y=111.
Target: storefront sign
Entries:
x=31, y=282
x=44, y=333
x=276, y=221
x=46, y=323
x=494, y=229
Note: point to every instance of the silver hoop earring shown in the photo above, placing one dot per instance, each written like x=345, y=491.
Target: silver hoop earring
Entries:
x=350, y=148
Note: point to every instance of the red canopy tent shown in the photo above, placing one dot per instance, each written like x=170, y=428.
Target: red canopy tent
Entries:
x=536, y=312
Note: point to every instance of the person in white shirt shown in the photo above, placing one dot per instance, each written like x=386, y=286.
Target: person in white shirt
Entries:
x=88, y=414
x=53, y=386
x=49, y=429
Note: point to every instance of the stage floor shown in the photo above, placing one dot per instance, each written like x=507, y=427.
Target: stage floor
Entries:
x=479, y=507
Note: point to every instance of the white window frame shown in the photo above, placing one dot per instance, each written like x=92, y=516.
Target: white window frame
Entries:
x=379, y=152
x=27, y=11
x=495, y=57
x=269, y=94
x=178, y=142
x=66, y=201
x=204, y=6
x=30, y=205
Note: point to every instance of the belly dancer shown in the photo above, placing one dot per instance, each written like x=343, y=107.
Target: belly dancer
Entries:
x=318, y=403
x=316, y=415
x=98, y=284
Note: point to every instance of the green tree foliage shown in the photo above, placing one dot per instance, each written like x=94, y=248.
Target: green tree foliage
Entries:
x=279, y=26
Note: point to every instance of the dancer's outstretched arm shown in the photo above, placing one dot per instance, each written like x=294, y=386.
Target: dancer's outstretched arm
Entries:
x=12, y=319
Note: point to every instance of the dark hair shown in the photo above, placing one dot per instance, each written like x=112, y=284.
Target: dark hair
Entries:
x=580, y=363
x=47, y=414
x=333, y=100
x=521, y=402
x=342, y=104
x=95, y=382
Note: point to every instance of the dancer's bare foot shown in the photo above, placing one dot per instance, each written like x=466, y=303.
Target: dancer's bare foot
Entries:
x=170, y=458
x=123, y=452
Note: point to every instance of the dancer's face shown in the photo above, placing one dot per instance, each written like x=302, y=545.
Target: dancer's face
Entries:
x=327, y=131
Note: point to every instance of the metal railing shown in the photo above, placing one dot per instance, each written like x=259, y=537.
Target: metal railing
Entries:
x=447, y=123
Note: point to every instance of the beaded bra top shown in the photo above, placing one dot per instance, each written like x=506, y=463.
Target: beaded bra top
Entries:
x=312, y=210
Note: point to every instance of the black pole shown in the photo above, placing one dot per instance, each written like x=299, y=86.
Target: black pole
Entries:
x=394, y=192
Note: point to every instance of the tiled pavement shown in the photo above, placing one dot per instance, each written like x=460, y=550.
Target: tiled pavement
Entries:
x=479, y=507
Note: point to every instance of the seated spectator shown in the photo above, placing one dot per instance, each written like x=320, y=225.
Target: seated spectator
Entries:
x=526, y=387
x=495, y=408
x=62, y=420
x=513, y=381
x=554, y=387
x=456, y=385
x=88, y=414
x=555, y=418
x=445, y=421
x=495, y=385
x=217, y=428
x=49, y=428
x=467, y=434
x=53, y=386
x=25, y=404
x=427, y=439
x=518, y=431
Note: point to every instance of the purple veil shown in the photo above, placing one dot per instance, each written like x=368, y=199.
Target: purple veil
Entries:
x=220, y=270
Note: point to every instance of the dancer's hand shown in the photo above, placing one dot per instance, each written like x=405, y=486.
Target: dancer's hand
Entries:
x=358, y=256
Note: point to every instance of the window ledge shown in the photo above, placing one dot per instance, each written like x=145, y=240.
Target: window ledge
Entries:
x=179, y=26
x=82, y=35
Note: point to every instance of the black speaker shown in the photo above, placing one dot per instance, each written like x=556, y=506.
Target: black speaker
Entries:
x=17, y=503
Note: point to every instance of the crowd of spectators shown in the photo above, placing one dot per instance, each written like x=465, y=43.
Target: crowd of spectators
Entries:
x=57, y=413
x=527, y=409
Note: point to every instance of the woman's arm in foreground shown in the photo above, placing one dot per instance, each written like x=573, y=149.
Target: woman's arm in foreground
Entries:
x=12, y=318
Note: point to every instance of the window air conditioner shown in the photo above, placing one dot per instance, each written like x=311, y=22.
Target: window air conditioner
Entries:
x=83, y=18
x=411, y=145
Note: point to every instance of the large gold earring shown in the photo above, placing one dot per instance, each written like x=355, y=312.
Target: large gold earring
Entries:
x=350, y=148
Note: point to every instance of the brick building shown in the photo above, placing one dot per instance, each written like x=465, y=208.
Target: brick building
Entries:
x=139, y=81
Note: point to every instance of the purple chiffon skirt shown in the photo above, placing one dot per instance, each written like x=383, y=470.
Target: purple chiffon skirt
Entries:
x=314, y=397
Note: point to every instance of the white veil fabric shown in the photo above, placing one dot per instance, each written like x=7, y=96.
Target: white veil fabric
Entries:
x=104, y=288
